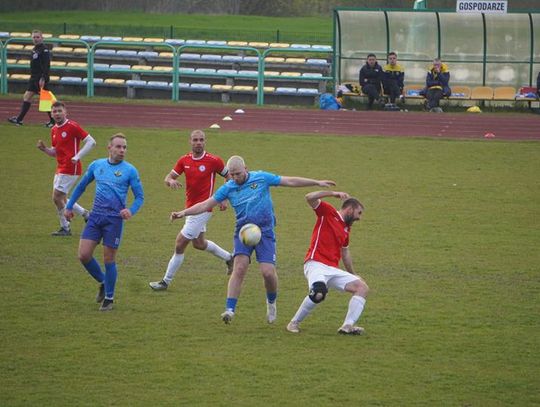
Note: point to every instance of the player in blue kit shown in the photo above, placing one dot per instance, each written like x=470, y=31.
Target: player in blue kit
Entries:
x=113, y=177
x=249, y=195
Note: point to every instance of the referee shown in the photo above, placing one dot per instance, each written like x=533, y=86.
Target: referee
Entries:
x=39, y=77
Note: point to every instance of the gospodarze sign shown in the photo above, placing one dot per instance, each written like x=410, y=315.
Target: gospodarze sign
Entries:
x=482, y=6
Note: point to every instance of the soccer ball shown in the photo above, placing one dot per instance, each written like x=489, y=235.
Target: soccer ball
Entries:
x=250, y=234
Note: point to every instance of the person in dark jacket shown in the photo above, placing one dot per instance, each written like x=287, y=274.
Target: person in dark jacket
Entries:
x=370, y=79
x=393, y=77
x=39, y=77
x=437, y=85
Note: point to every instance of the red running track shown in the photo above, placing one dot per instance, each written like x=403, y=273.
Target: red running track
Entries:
x=284, y=120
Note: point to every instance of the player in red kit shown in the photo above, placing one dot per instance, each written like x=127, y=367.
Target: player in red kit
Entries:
x=66, y=137
x=329, y=245
x=200, y=169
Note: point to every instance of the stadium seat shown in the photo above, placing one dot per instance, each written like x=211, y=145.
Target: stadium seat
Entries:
x=295, y=60
x=97, y=81
x=127, y=53
x=312, y=75
x=220, y=43
x=237, y=43
x=166, y=54
x=4, y=34
x=54, y=78
x=254, y=60
x=69, y=36
x=17, y=47
x=175, y=41
x=148, y=54
x=101, y=67
x=105, y=52
x=286, y=90
x=248, y=72
x=205, y=70
x=195, y=42
x=141, y=68
x=120, y=66
x=210, y=57
x=300, y=46
x=162, y=68
x=272, y=73
x=29, y=47
x=112, y=81
x=70, y=79
x=19, y=77
x=205, y=87
x=243, y=88
x=90, y=38
x=62, y=50
x=20, y=34
x=266, y=89
x=527, y=93
x=504, y=93
x=258, y=44
x=482, y=93
x=13, y=61
x=132, y=39
x=190, y=56
x=77, y=65
x=135, y=83
x=324, y=48
x=227, y=71
x=158, y=84
x=307, y=91
x=232, y=58
x=279, y=45
x=80, y=51
x=57, y=63
x=222, y=87
x=183, y=85
x=461, y=92
x=316, y=61
x=111, y=38
x=291, y=74
x=187, y=70
x=274, y=59
x=153, y=39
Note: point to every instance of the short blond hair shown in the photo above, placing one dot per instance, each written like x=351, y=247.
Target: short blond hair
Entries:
x=236, y=161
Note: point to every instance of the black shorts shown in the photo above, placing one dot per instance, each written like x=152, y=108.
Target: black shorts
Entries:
x=33, y=85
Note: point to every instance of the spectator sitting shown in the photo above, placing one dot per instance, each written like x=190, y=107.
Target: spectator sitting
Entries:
x=437, y=87
x=393, y=77
x=370, y=80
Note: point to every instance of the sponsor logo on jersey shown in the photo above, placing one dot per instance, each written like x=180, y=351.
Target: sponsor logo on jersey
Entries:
x=64, y=134
x=118, y=173
x=202, y=168
x=253, y=186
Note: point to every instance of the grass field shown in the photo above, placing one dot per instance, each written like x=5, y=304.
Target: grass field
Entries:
x=449, y=246
x=191, y=26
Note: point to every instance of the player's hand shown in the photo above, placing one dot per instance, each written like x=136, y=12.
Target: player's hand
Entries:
x=223, y=206
x=342, y=195
x=174, y=184
x=326, y=184
x=68, y=214
x=74, y=160
x=41, y=83
x=125, y=214
x=41, y=145
x=176, y=215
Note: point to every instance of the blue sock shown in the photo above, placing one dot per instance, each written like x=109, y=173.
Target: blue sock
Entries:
x=231, y=303
x=110, y=280
x=271, y=297
x=94, y=270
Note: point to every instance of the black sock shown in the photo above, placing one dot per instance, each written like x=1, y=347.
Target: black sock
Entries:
x=24, y=109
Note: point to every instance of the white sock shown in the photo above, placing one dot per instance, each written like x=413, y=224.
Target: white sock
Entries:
x=63, y=221
x=174, y=264
x=305, y=309
x=356, y=306
x=217, y=251
x=78, y=209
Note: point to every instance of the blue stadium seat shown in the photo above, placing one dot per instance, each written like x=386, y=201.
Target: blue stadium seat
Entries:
x=307, y=91
x=205, y=70
x=97, y=81
x=70, y=79
x=126, y=53
x=148, y=54
x=204, y=87
x=286, y=90
x=101, y=67
x=227, y=71
x=324, y=48
x=158, y=84
x=251, y=59
x=248, y=72
x=195, y=42
x=111, y=38
x=175, y=41
x=210, y=57
x=190, y=56
x=136, y=83
x=187, y=70
x=105, y=52
x=316, y=61
x=120, y=66
x=300, y=46
x=216, y=42
x=232, y=58
x=90, y=38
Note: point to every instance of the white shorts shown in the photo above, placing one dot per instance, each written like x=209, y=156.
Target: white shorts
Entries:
x=331, y=276
x=195, y=225
x=64, y=182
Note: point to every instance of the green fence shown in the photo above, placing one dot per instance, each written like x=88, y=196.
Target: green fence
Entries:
x=175, y=73
x=480, y=49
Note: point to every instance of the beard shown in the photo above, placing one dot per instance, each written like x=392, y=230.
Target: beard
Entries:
x=348, y=219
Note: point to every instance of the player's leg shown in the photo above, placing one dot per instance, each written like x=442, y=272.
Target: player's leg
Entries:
x=266, y=257
x=112, y=235
x=33, y=87
x=59, y=196
x=174, y=263
x=90, y=238
x=316, y=278
x=359, y=290
x=201, y=243
x=241, y=264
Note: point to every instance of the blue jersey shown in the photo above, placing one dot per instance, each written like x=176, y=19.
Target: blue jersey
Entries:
x=251, y=201
x=112, y=184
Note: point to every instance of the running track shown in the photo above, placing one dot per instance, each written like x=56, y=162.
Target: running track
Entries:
x=283, y=120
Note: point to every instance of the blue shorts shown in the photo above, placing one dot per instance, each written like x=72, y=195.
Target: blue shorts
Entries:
x=108, y=228
x=265, y=251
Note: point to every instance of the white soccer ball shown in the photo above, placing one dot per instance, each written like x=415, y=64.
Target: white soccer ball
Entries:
x=250, y=234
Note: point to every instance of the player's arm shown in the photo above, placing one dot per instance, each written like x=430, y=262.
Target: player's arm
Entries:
x=313, y=198
x=346, y=258
x=138, y=193
x=87, y=178
x=305, y=182
x=89, y=144
x=50, y=151
x=201, y=207
x=171, y=180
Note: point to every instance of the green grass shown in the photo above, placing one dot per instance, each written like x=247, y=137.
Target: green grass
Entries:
x=449, y=246
x=188, y=26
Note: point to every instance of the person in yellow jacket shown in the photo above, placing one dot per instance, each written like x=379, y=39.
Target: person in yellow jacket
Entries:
x=437, y=85
x=393, y=78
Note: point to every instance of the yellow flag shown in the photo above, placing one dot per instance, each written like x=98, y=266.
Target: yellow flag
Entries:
x=46, y=99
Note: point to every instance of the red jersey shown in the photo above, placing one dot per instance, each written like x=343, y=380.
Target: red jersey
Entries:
x=66, y=138
x=329, y=236
x=200, y=175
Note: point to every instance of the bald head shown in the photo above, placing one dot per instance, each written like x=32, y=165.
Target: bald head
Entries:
x=197, y=139
x=237, y=169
